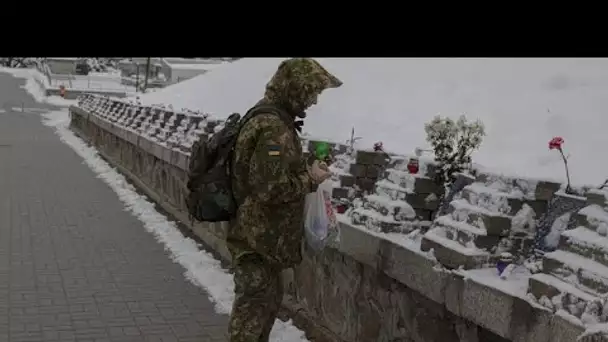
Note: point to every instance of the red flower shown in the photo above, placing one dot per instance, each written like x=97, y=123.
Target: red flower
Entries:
x=412, y=166
x=556, y=143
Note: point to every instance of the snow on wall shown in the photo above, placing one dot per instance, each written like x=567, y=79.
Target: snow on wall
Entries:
x=523, y=103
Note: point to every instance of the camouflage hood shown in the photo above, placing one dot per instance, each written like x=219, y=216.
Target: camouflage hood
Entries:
x=297, y=84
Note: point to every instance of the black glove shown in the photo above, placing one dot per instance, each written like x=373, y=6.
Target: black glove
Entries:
x=299, y=124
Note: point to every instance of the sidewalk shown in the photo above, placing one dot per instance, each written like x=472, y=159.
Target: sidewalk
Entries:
x=74, y=264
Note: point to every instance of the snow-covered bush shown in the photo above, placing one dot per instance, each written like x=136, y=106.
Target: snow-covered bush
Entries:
x=453, y=143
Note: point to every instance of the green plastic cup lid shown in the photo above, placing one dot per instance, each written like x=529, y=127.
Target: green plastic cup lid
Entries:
x=321, y=150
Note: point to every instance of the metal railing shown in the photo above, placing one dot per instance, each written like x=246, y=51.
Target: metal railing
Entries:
x=98, y=83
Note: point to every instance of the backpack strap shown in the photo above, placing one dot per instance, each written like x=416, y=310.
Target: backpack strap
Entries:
x=262, y=109
x=251, y=113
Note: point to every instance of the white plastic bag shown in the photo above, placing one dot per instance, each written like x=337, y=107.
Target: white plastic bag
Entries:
x=320, y=224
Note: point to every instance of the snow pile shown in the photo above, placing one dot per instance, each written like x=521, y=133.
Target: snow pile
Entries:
x=522, y=102
x=200, y=267
x=559, y=226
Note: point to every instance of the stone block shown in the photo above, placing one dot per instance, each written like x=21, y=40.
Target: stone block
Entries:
x=453, y=292
x=598, y=198
x=579, y=219
x=102, y=123
x=453, y=258
x=425, y=185
x=419, y=201
x=183, y=161
x=157, y=151
x=358, y=170
x=359, y=244
x=220, y=229
x=373, y=171
x=365, y=184
x=413, y=269
x=545, y=190
x=487, y=306
x=166, y=155
x=371, y=158
x=384, y=224
x=495, y=225
x=94, y=119
x=582, y=219
x=145, y=145
x=347, y=181
x=515, y=204
x=522, y=246
x=464, y=237
x=558, y=264
x=530, y=323
x=339, y=193
x=546, y=285
x=423, y=214
x=564, y=330
x=132, y=137
x=583, y=249
x=431, y=170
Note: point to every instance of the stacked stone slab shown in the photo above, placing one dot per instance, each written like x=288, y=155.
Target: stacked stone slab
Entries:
x=358, y=175
x=163, y=126
x=487, y=218
x=367, y=169
x=400, y=203
x=575, y=276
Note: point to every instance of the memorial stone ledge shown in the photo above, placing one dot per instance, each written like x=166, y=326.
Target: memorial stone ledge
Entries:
x=497, y=310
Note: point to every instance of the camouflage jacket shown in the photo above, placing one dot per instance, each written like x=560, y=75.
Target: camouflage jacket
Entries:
x=270, y=184
x=269, y=176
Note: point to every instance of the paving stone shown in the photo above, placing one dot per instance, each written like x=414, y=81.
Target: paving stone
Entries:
x=81, y=268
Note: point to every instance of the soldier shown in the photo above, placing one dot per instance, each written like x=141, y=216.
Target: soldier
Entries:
x=270, y=180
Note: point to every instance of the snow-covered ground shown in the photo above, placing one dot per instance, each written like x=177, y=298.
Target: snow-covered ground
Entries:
x=523, y=103
x=201, y=268
x=33, y=79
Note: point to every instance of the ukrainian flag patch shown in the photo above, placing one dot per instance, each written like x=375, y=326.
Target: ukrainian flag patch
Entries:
x=274, y=150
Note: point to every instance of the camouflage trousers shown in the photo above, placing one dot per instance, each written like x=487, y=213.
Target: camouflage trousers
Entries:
x=258, y=289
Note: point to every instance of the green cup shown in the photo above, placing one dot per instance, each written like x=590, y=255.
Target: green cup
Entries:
x=322, y=150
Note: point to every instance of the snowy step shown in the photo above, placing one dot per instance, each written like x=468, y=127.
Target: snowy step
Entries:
x=451, y=253
x=540, y=190
x=557, y=294
x=414, y=182
x=597, y=196
x=416, y=200
x=465, y=234
x=593, y=217
x=399, y=210
x=569, y=266
x=585, y=242
x=488, y=198
x=374, y=221
x=500, y=201
x=494, y=223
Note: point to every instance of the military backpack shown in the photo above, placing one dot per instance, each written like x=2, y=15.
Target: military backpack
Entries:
x=209, y=197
